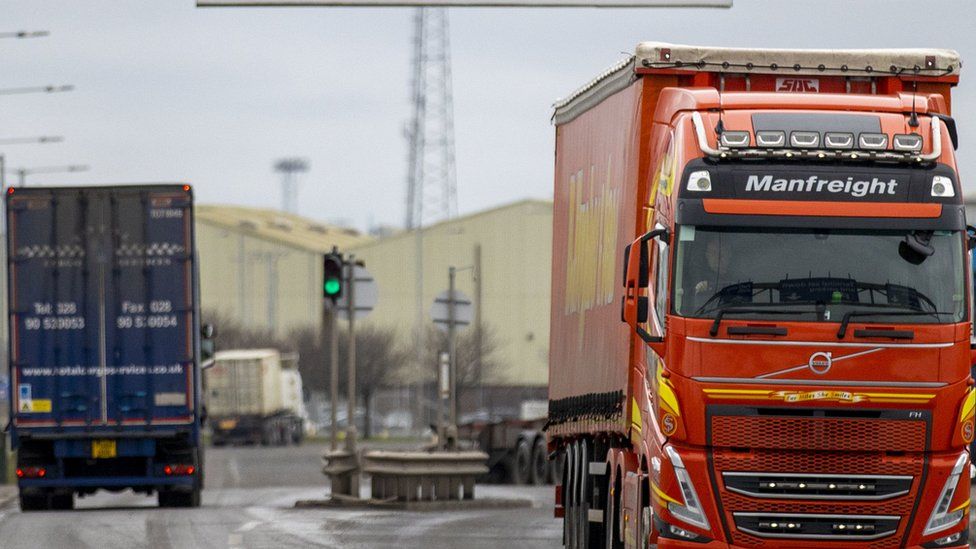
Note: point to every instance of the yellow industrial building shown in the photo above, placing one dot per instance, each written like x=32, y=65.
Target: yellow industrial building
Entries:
x=263, y=269
x=515, y=243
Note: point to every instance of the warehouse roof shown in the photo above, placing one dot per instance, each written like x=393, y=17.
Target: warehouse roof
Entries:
x=282, y=227
x=527, y=203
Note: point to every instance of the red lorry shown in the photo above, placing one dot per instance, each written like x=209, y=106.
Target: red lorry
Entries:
x=782, y=233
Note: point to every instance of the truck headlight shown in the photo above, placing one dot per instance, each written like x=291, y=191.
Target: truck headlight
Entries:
x=942, y=518
x=691, y=512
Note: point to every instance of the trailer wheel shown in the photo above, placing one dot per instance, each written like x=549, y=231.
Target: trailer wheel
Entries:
x=171, y=498
x=523, y=463
x=33, y=503
x=539, y=472
x=569, y=496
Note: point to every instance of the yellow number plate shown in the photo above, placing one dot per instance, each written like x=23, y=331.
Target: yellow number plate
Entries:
x=104, y=449
x=228, y=424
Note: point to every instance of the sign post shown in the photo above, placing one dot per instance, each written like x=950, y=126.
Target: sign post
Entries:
x=451, y=310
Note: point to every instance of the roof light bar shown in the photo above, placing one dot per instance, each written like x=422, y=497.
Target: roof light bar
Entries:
x=839, y=140
x=805, y=140
x=872, y=141
x=771, y=139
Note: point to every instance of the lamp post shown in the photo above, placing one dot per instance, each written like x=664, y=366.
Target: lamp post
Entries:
x=37, y=89
x=22, y=173
x=24, y=34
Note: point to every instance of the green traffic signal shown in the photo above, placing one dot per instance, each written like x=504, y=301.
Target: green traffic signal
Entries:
x=332, y=286
x=332, y=276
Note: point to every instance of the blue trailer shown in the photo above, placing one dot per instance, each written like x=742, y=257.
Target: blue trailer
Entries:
x=104, y=353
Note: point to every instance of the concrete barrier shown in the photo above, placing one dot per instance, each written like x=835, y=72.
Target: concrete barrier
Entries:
x=424, y=476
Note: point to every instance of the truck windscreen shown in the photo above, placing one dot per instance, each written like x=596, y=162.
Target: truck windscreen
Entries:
x=820, y=275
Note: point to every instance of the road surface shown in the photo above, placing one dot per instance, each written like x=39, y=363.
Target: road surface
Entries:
x=248, y=504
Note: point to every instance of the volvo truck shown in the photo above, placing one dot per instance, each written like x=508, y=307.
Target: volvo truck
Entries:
x=762, y=306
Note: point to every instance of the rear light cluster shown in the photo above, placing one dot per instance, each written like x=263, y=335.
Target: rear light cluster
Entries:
x=31, y=472
x=179, y=470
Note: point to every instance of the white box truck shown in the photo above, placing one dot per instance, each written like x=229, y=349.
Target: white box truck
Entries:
x=252, y=399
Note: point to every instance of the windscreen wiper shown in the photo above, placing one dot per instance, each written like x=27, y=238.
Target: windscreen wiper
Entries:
x=755, y=308
x=842, y=331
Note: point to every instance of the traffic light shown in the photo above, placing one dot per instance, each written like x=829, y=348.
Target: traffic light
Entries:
x=332, y=276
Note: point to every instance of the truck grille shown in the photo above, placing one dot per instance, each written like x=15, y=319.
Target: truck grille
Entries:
x=817, y=527
x=835, y=475
x=814, y=486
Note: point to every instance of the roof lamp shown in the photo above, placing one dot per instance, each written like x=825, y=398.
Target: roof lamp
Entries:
x=839, y=140
x=733, y=139
x=805, y=140
x=772, y=139
x=907, y=142
x=873, y=141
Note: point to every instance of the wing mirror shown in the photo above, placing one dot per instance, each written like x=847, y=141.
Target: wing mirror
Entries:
x=638, y=295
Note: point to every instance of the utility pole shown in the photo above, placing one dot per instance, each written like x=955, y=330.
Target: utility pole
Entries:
x=452, y=351
x=478, y=333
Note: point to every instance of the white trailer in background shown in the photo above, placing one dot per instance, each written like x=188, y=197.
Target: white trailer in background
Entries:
x=252, y=399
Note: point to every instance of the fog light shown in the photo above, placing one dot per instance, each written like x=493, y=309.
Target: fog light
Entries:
x=948, y=540
x=682, y=533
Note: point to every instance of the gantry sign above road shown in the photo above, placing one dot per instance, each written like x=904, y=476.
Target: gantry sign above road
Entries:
x=475, y=3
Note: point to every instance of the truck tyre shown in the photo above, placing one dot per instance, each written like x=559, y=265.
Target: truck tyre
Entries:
x=539, y=473
x=584, y=489
x=172, y=498
x=557, y=468
x=569, y=496
x=33, y=502
x=611, y=516
x=523, y=463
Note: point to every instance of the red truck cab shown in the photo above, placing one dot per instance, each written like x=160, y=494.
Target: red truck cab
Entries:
x=783, y=233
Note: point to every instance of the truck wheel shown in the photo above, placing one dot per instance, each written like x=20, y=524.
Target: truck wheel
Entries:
x=539, y=472
x=523, y=463
x=569, y=496
x=611, y=517
x=33, y=503
x=169, y=498
x=557, y=468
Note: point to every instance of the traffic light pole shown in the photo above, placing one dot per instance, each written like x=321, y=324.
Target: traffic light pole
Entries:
x=351, y=383
x=332, y=313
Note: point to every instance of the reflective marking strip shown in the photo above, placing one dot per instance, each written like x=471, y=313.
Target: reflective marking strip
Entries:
x=660, y=493
x=968, y=405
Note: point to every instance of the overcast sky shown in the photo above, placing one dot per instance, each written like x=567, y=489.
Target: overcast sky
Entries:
x=169, y=92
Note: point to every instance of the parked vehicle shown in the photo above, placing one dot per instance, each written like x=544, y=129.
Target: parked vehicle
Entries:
x=105, y=347
x=782, y=232
x=252, y=399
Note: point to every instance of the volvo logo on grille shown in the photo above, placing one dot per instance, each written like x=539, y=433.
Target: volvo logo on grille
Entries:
x=820, y=363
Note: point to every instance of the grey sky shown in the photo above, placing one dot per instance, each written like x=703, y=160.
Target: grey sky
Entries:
x=166, y=91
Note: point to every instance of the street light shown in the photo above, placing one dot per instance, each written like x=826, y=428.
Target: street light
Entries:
x=27, y=140
x=37, y=89
x=22, y=173
x=24, y=34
